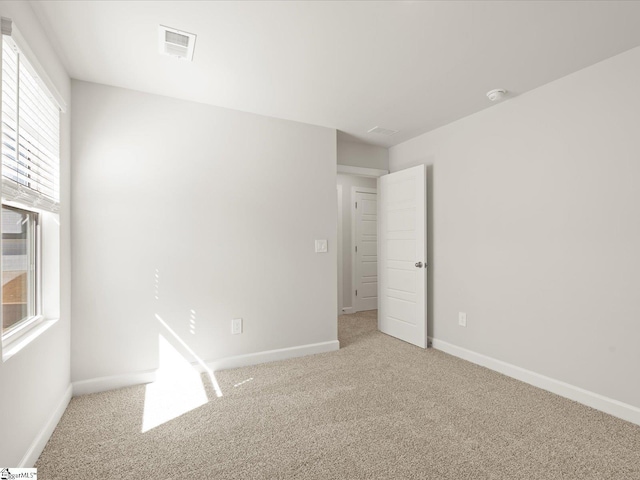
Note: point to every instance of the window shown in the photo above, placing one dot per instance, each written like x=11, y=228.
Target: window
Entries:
x=19, y=267
x=30, y=131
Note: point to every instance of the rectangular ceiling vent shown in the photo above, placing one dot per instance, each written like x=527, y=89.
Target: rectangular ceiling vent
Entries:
x=382, y=131
x=176, y=43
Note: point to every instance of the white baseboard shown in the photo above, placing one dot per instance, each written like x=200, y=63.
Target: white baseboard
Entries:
x=34, y=451
x=594, y=400
x=102, y=384
x=273, y=355
x=347, y=310
x=112, y=382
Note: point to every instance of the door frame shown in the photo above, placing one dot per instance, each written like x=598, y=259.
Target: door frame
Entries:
x=340, y=260
x=354, y=263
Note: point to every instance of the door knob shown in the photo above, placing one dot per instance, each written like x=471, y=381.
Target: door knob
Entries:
x=418, y=264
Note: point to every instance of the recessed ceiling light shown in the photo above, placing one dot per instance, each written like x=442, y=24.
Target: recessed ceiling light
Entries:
x=176, y=43
x=496, y=94
x=382, y=131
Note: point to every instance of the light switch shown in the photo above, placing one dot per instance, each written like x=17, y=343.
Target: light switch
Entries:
x=321, y=246
x=236, y=326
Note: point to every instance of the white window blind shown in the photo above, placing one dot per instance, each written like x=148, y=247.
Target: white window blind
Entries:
x=30, y=134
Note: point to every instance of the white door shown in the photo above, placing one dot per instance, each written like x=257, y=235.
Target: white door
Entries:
x=402, y=236
x=365, y=271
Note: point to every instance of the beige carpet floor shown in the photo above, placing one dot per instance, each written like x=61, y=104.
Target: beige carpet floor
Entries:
x=377, y=409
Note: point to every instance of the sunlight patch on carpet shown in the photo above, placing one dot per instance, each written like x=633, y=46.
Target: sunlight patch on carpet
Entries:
x=243, y=382
x=177, y=389
x=205, y=368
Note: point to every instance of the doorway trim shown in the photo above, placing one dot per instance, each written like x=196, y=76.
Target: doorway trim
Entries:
x=361, y=171
x=340, y=247
x=354, y=191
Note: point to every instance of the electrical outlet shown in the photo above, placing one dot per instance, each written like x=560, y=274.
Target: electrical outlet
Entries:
x=462, y=319
x=236, y=326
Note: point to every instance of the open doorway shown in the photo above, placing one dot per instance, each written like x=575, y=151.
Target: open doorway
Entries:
x=382, y=265
x=357, y=243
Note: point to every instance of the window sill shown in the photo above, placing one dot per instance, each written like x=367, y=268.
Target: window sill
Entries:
x=17, y=342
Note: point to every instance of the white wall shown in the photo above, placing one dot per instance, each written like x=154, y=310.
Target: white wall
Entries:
x=534, y=209
x=213, y=211
x=35, y=381
x=348, y=181
x=356, y=154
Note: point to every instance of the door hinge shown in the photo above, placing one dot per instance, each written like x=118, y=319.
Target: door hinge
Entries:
x=356, y=204
x=356, y=293
x=356, y=248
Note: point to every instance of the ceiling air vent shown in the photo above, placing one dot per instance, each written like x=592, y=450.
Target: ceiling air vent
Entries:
x=176, y=43
x=382, y=131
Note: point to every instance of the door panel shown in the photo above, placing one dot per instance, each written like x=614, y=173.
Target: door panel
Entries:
x=370, y=228
x=366, y=256
x=370, y=269
x=401, y=280
x=402, y=220
x=400, y=249
x=369, y=290
x=402, y=244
